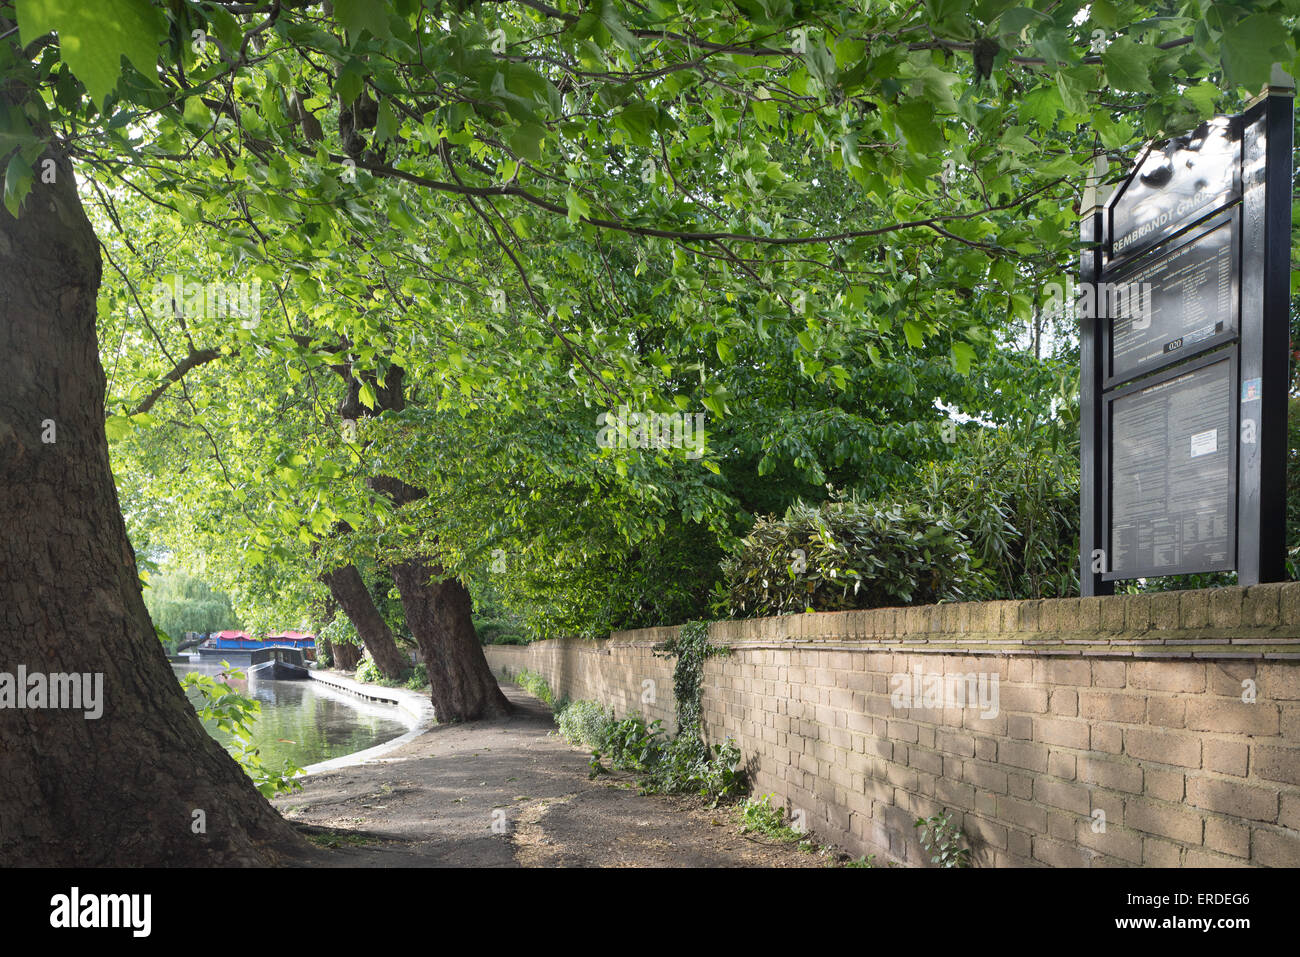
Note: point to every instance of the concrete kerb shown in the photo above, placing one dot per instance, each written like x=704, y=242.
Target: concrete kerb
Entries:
x=414, y=709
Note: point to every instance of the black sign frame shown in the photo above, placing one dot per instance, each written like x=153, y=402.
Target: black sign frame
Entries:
x=1260, y=199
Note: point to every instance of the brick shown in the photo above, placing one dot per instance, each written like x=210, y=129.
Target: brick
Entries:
x=1108, y=706
x=1261, y=606
x=1194, y=610
x=1063, y=732
x=1166, y=712
x=1061, y=853
x=1112, y=613
x=1158, y=853
x=1271, y=848
x=1063, y=671
x=1224, y=756
x=1289, y=816
x=1023, y=754
x=1060, y=764
x=1071, y=797
x=1064, y=703
x=1225, y=607
x=1280, y=681
x=1020, y=726
x=1165, y=820
x=1108, y=674
x=983, y=831
x=1227, y=837
x=1020, y=786
x=1022, y=698
x=1167, y=675
x=1163, y=747
x=1110, y=774
x=986, y=749
x=1137, y=613
x=1022, y=814
x=1163, y=785
x=1107, y=738
x=1226, y=677
x=1199, y=857
x=1114, y=841
x=1229, y=797
x=1229, y=715
x=1277, y=764
x=1021, y=670
x=1164, y=611
x=985, y=777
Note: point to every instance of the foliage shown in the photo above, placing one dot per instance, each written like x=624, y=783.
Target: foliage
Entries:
x=234, y=714
x=942, y=840
x=665, y=765
x=760, y=816
x=584, y=723
x=368, y=671
x=179, y=603
x=418, y=678
x=848, y=554
x=1013, y=493
x=534, y=684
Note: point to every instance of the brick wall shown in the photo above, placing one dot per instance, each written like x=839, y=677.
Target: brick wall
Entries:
x=1174, y=715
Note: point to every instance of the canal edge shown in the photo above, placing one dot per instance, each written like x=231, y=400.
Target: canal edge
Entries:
x=415, y=708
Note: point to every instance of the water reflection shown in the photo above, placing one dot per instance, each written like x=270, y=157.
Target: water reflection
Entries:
x=305, y=722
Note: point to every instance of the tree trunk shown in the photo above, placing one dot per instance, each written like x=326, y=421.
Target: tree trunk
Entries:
x=438, y=613
x=346, y=656
x=350, y=591
x=123, y=788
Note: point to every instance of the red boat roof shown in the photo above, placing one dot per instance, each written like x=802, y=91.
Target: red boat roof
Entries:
x=233, y=634
x=292, y=635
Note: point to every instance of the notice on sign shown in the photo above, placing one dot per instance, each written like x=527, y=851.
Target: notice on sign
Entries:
x=1189, y=298
x=1171, y=476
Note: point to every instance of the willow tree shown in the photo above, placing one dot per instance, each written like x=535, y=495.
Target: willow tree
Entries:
x=425, y=162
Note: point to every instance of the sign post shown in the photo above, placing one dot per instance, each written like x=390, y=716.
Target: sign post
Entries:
x=1184, y=347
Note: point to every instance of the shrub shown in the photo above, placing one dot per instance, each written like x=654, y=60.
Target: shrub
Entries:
x=1013, y=493
x=418, y=678
x=368, y=671
x=584, y=723
x=535, y=685
x=848, y=554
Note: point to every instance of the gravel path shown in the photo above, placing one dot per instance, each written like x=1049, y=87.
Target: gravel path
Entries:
x=509, y=793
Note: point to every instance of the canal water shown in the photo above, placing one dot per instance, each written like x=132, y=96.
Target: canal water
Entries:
x=304, y=721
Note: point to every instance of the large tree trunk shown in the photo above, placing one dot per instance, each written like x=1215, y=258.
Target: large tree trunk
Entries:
x=350, y=591
x=346, y=656
x=124, y=788
x=438, y=613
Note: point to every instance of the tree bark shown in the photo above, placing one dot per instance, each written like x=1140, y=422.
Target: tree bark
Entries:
x=439, y=615
x=350, y=591
x=346, y=656
x=123, y=788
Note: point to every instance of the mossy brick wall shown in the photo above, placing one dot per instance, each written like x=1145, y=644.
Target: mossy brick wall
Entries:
x=1128, y=705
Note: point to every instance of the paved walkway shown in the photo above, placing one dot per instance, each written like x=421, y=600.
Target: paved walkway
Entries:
x=509, y=793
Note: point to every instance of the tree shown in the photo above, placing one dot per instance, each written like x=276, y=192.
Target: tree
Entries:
x=881, y=180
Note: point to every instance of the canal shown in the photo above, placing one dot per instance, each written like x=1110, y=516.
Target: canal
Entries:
x=304, y=721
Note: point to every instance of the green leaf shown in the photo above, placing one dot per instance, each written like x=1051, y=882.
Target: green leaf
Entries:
x=1251, y=47
x=578, y=207
x=912, y=331
x=357, y=15
x=1128, y=65
x=93, y=37
x=962, y=354
x=915, y=120
x=18, y=181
